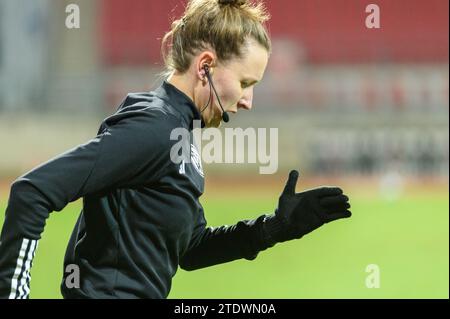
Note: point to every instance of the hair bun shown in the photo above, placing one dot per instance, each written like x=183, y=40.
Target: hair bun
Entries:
x=233, y=2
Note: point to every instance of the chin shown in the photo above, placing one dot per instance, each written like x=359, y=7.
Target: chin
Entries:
x=216, y=122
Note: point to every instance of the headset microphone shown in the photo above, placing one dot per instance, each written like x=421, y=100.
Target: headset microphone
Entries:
x=225, y=116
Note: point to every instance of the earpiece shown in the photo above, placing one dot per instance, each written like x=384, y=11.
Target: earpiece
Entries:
x=225, y=116
x=206, y=71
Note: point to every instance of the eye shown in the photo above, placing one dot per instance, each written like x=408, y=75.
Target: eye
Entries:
x=245, y=84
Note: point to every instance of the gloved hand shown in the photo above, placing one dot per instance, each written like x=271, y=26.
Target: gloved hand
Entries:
x=301, y=213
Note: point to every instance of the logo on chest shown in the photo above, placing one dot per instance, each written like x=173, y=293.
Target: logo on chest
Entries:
x=195, y=160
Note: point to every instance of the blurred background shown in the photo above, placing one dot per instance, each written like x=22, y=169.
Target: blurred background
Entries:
x=366, y=109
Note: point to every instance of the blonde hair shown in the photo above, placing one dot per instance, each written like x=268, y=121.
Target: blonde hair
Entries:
x=223, y=25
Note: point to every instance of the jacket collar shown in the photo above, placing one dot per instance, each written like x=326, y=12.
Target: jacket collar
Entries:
x=179, y=101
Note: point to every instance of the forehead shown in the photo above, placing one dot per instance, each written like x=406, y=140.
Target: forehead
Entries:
x=253, y=61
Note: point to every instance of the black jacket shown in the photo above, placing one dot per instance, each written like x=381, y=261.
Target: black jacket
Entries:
x=141, y=215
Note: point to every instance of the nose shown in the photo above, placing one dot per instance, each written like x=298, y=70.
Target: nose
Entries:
x=246, y=101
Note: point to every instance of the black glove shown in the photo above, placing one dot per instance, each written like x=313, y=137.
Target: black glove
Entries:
x=301, y=213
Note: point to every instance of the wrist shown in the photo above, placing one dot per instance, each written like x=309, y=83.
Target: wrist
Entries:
x=273, y=228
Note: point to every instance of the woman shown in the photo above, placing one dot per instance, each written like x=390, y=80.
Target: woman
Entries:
x=141, y=215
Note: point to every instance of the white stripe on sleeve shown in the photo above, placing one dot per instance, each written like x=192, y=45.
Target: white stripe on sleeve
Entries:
x=24, y=290
x=18, y=269
x=20, y=282
x=31, y=254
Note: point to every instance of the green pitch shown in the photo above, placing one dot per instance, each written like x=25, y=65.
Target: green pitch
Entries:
x=406, y=238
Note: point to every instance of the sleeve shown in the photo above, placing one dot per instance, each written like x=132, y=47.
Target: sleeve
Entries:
x=216, y=245
x=131, y=151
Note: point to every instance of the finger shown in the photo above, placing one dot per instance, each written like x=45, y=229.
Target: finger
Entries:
x=333, y=200
x=328, y=191
x=291, y=182
x=335, y=216
x=337, y=208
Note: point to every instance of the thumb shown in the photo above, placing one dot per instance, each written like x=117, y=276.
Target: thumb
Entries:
x=291, y=182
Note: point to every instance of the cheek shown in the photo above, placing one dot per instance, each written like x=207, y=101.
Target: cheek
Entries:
x=230, y=93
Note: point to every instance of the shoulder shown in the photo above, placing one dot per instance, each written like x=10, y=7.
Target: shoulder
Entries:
x=142, y=122
x=143, y=108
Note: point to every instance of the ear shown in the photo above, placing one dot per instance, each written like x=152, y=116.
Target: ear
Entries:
x=206, y=57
